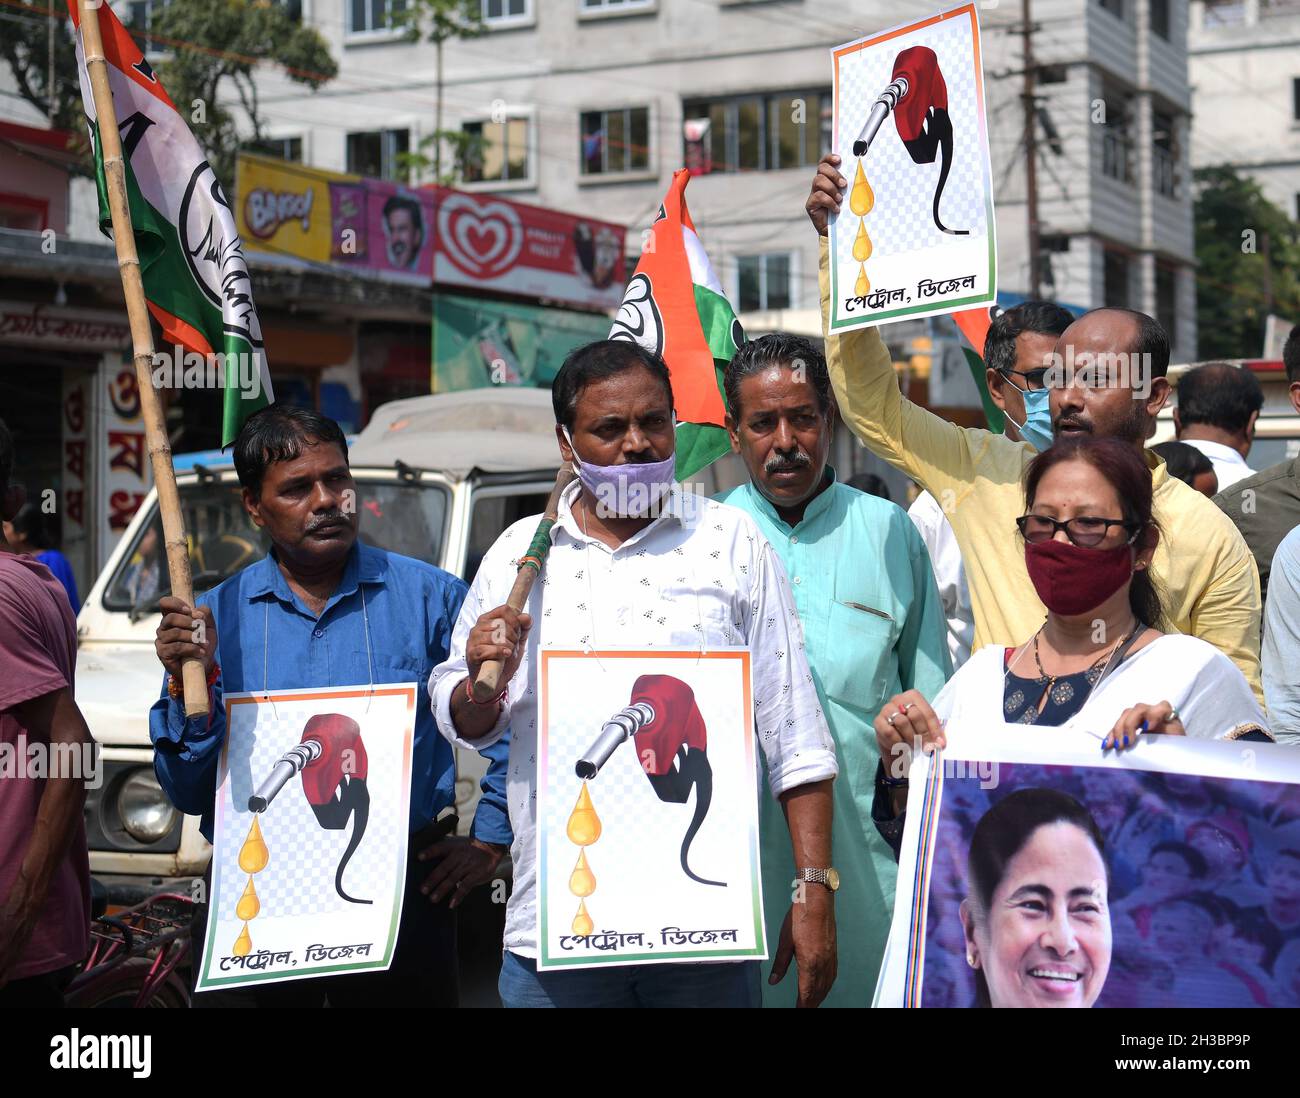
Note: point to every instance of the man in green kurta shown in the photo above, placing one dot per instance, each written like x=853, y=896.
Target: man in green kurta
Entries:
x=873, y=625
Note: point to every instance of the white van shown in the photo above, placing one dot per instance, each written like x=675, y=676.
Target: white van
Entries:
x=438, y=478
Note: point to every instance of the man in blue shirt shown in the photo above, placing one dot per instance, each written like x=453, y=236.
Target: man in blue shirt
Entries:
x=323, y=609
x=871, y=619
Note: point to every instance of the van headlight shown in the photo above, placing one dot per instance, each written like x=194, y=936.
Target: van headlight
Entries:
x=145, y=812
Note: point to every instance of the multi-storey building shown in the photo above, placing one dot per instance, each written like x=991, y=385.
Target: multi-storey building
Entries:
x=588, y=105
x=1244, y=64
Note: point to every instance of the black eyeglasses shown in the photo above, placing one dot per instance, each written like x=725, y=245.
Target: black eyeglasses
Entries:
x=1083, y=531
x=1034, y=379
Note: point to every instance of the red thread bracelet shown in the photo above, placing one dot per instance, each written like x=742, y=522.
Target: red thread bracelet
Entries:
x=174, y=689
x=469, y=695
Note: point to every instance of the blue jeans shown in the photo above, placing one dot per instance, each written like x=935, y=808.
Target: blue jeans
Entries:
x=714, y=984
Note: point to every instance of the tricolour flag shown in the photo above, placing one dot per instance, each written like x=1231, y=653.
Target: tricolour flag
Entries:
x=674, y=306
x=973, y=324
x=191, y=257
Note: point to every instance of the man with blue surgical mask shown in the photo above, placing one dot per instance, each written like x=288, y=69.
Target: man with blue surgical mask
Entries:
x=636, y=562
x=1019, y=341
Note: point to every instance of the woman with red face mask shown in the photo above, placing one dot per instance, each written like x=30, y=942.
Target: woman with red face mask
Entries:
x=1100, y=661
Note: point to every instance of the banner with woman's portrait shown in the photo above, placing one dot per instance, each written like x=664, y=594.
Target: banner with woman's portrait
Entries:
x=1037, y=871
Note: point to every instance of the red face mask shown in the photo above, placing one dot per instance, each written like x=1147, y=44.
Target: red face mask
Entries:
x=1072, y=580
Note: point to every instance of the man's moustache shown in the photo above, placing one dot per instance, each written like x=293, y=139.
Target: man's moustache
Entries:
x=336, y=519
x=791, y=464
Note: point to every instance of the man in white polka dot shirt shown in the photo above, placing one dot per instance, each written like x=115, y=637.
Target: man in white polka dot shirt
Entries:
x=637, y=562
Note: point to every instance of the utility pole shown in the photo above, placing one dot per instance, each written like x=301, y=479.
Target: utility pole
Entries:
x=1031, y=155
x=49, y=58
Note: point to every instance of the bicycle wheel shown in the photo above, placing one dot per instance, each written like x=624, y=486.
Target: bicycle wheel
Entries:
x=120, y=987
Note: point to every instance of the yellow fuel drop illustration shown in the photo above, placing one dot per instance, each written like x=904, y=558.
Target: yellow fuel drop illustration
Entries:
x=582, y=881
x=584, y=825
x=861, y=198
x=253, y=855
x=249, y=905
x=862, y=244
x=582, y=924
x=583, y=829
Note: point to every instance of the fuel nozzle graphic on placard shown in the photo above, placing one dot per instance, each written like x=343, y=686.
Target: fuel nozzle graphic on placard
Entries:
x=332, y=762
x=671, y=746
x=917, y=96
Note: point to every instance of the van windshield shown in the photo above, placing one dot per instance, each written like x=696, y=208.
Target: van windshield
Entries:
x=403, y=518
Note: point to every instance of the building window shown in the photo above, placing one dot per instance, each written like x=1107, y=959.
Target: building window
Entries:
x=141, y=13
x=22, y=212
x=1115, y=7
x=1115, y=267
x=376, y=153
x=1158, y=13
x=1117, y=138
x=1167, y=299
x=1164, y=155
x=368, y=16
x=1053, y=74
x=763, y=282
x=615, y=141
x=498, y=151
x=286, y=148
x=1295, y=98
x=1224, y=13
x=757, y=133
x=615, y=5
x=1270, y=8
x=499, y=13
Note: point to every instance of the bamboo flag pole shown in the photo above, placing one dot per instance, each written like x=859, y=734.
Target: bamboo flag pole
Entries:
x=137, y=309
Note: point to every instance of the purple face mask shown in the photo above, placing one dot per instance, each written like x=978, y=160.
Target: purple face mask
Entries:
x=630, y=490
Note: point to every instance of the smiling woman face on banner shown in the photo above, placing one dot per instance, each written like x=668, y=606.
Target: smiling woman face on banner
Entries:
x=1037, y=920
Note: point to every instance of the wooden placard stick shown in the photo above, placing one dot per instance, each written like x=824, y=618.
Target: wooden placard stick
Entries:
x=137, y=311
x=487, y=685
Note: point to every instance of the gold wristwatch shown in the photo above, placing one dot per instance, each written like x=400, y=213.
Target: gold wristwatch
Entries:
x=828, y=877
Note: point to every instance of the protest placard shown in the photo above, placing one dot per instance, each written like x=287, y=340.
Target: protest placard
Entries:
x=1037, y=871
x=311, y=823
x=647, y=812
x=915, y=235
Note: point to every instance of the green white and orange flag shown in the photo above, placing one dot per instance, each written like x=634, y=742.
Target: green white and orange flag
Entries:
x=973, y=324
x=191, y=257
x=674, y=306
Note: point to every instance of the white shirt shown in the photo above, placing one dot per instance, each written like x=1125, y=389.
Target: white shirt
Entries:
x=1280, y=658
x=700, y=574
x=1229, y=465
x=949, y=573
x=1212, y=697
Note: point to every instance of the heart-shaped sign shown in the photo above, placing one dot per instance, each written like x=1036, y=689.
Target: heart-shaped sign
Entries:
x=482, y=239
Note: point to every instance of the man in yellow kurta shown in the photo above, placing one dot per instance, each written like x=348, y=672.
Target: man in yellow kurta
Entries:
x=1207, y=579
